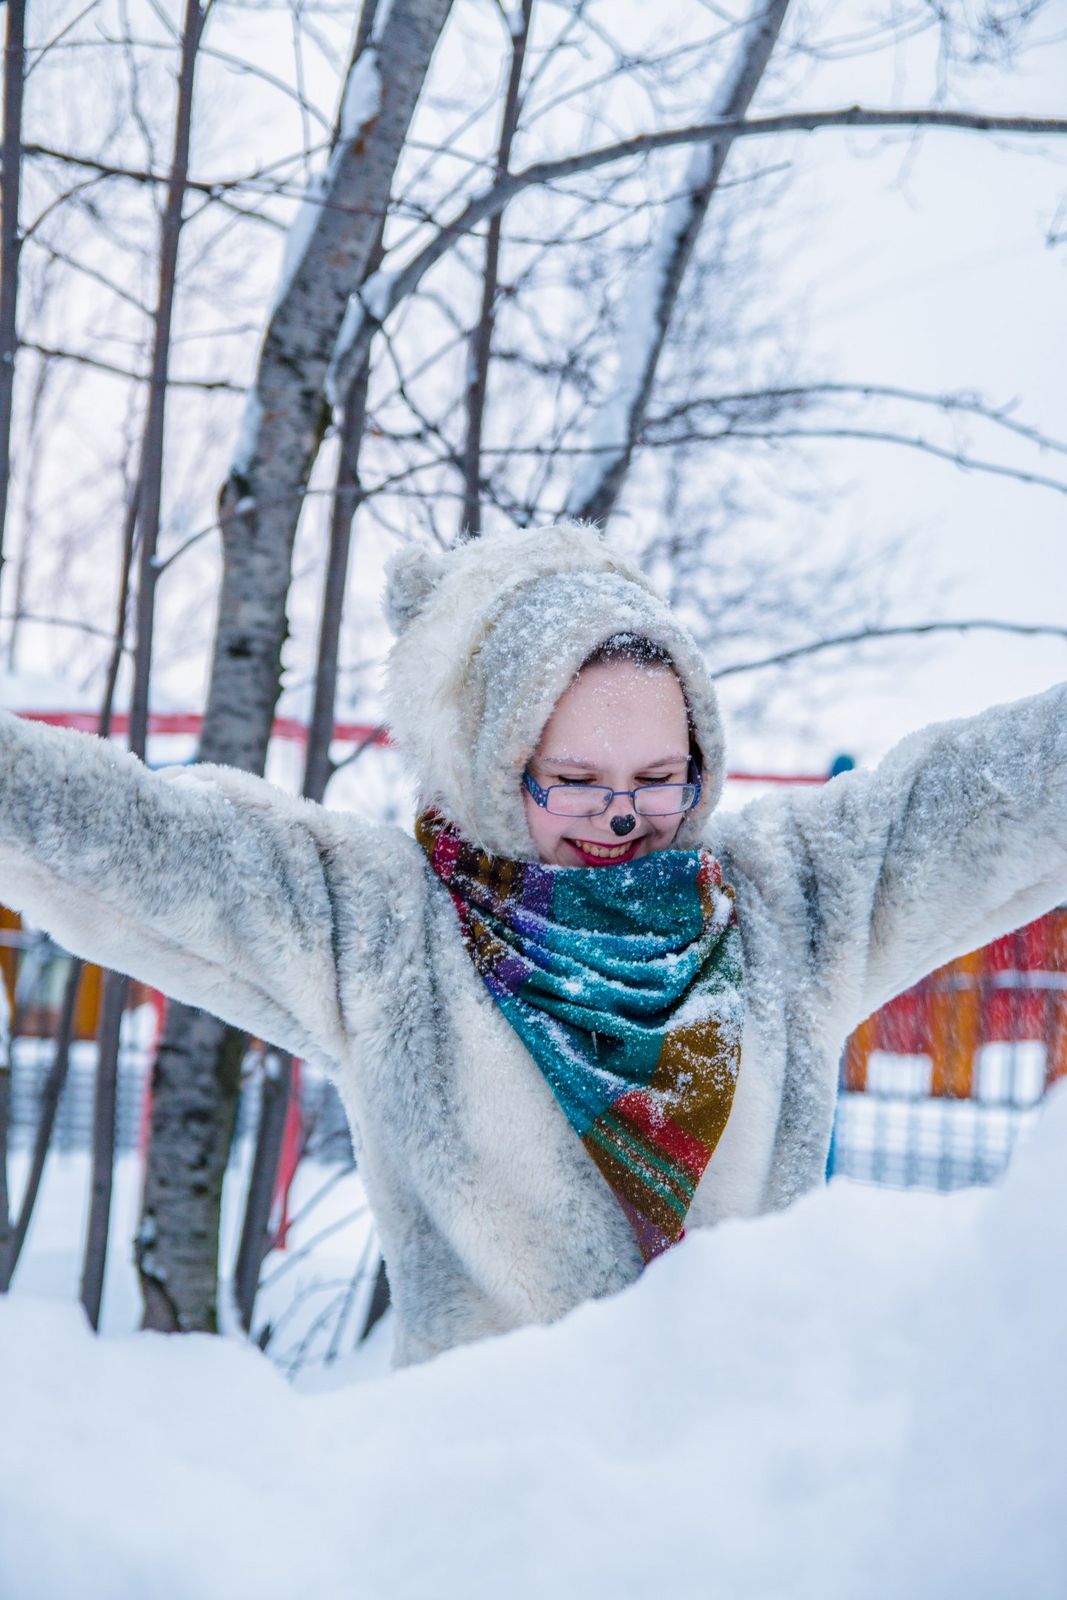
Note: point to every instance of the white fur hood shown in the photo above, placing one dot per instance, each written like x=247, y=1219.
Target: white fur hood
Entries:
x=490, y=635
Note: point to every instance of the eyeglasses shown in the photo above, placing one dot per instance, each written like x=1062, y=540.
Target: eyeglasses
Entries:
x=593, y=799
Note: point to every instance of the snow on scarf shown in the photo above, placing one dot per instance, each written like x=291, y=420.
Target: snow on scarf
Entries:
x=625, y=985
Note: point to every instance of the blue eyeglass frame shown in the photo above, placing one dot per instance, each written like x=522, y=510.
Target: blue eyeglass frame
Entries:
x=540, y=796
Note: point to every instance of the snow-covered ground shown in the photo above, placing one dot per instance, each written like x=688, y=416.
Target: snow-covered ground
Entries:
x=865, y=1396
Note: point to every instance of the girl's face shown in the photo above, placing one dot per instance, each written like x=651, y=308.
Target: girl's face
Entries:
x=622, y=725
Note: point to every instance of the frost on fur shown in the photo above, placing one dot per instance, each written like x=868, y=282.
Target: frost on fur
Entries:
x=410, y=579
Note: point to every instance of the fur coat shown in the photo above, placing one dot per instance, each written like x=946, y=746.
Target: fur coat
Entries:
x=330, y=937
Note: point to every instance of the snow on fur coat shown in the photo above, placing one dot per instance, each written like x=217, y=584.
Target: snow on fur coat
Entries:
x=331, y=938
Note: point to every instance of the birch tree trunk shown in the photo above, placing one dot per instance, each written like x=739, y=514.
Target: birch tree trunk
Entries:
x=331, y=242
x=330, y=245
x=654, y=296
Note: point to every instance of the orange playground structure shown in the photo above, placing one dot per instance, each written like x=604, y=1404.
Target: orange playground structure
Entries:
x=1012, y=990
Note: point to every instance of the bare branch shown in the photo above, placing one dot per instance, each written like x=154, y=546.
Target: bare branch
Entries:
x=308, y=109
x=802, y=391
x=39, y=52
x=877, y=436
x=348, y=494
x=53, y=253
x=365, y=743
x=213, y=187
x=905, y=630
x=62, y=622
x=114, y=370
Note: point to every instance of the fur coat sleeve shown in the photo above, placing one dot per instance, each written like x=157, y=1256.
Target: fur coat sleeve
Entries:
x=205, y=882
x=959, y=836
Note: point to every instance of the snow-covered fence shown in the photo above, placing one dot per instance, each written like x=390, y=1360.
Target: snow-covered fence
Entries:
x=30, y=1061
x=911, y=1140
x=937, y=1086
x=320, y=1108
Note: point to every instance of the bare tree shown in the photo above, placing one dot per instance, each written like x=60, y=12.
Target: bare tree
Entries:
x=10, y=240
x=150, y=480
x=482, y=336
x=618, y=421
x=34, y=446
x=148, y=506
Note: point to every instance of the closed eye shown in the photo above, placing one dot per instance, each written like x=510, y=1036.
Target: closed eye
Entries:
x=675, y=776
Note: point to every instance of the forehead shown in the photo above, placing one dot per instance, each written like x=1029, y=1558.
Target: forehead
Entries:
x=618, y=710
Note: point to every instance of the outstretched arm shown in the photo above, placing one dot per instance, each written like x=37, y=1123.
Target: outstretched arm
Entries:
x=957, y=837
x=203, y=881
x=974, y=815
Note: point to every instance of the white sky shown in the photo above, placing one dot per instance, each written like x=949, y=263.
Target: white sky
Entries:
x=929, y=270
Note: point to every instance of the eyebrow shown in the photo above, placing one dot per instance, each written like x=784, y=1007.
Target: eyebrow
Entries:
x=591, y=766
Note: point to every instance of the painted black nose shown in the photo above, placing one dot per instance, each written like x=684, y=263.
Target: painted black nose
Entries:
x=621, y=825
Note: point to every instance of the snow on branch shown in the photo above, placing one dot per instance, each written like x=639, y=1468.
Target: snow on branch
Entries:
x=366, y=310
x=360, y=106
x=332, y=242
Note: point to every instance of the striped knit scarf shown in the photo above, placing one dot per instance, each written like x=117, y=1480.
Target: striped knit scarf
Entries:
x=625, y=985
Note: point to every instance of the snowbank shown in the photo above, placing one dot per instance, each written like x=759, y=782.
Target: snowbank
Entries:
x=863, y=1397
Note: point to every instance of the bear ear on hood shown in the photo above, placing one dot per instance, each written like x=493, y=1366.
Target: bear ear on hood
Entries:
x=410, y=578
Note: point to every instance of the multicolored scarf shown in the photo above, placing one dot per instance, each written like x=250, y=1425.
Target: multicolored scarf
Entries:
x=625, y=985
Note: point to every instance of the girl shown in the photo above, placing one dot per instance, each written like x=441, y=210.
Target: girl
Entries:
x=579, y=1012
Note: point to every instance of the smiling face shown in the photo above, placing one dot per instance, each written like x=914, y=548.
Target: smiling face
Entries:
x=620, y=724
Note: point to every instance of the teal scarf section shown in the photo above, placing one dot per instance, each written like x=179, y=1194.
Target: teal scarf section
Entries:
x=625, y=983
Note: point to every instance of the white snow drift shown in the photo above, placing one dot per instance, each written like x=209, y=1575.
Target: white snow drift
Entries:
x=863, y=1396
